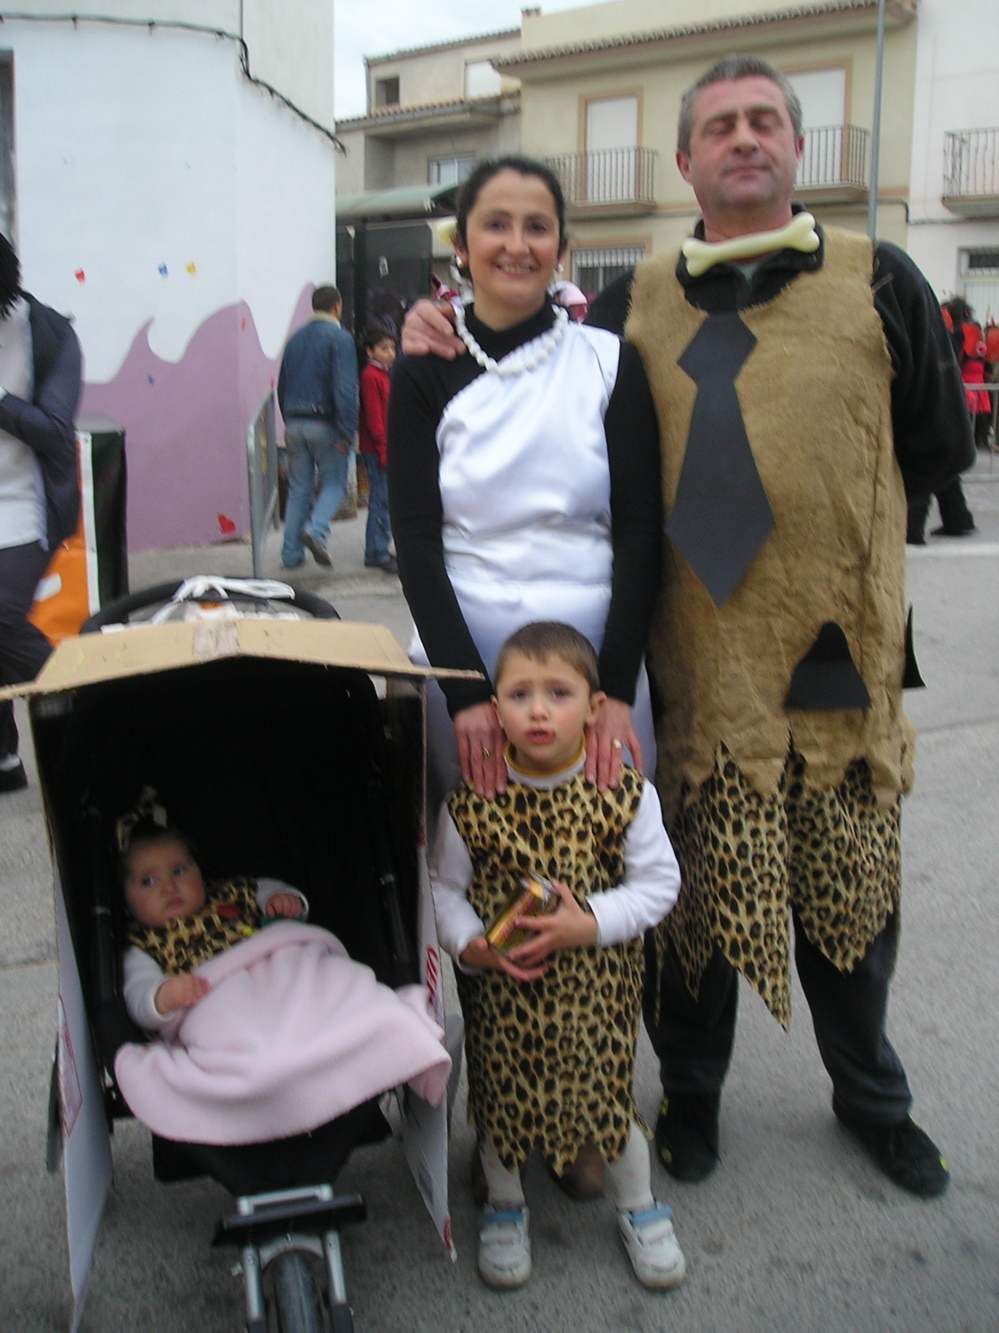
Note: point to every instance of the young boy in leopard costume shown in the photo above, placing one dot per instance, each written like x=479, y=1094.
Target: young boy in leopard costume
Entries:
x=551, y=1026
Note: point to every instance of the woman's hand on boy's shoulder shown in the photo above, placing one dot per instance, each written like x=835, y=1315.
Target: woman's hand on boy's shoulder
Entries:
x=480, y=954
x=607, y=737
x=182, y=992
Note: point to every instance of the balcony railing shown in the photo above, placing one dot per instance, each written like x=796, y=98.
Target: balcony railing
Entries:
x=607, y=176
x=834, y=158
x=971, y=167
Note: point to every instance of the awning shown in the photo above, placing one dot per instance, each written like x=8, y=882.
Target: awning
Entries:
x=404, y=201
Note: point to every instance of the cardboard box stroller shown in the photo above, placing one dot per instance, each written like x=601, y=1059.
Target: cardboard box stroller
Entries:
x=284, y=747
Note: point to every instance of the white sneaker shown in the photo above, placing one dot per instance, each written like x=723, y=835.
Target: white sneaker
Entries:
x=652, y=1246
x=504, y=1247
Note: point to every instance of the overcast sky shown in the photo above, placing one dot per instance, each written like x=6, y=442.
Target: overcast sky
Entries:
x=376, y=27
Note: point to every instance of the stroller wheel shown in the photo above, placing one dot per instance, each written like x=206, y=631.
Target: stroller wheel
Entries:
x=295, y=1303
x=343, y=1319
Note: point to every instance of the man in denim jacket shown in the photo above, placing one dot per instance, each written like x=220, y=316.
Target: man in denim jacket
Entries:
x=317, y=394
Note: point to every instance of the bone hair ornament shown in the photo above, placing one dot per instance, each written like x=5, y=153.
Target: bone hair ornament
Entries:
x=799, y=234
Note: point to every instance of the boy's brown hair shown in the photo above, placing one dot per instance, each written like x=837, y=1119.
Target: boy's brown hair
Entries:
x=552, y=638
x=375, y=334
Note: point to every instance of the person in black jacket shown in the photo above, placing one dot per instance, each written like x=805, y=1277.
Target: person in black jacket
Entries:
x=40, y=374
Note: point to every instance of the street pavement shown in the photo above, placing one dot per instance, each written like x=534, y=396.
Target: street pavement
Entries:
x=795, y=1231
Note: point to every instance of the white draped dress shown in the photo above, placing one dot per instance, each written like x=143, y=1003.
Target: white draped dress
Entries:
x=526, y=515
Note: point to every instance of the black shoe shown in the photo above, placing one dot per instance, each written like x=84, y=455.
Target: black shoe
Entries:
x=687, y=1134
x=387, y=566
x=954, y=532
x=319, y=551
x=904, y=1152
x=915, y=539
x=13, y=779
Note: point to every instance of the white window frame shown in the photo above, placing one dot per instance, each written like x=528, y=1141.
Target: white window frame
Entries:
x=437, y=176
x=603, y=258
x=380, y=81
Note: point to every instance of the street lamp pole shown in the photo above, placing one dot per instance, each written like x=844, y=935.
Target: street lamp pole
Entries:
x=879, y=64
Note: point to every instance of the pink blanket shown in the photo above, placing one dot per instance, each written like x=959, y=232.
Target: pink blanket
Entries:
x=292, y=1033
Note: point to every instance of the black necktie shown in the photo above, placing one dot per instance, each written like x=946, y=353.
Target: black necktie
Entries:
x=721, y=515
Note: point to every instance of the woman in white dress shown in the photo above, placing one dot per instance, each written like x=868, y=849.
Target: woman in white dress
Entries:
x=524, y=485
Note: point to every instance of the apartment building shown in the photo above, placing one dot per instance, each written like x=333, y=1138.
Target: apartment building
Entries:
x=600, y=96
x=596, y=90
x=953, y=231
x=432, y=112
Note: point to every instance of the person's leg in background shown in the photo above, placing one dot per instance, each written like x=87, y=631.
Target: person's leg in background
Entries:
x=378, y=531
x=332, y=459
x=918, y=512
x=955, y=516
x=983, y=429
x=301, y=485
x=23, y=648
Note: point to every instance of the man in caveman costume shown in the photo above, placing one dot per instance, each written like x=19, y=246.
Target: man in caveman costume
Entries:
x=805, y=386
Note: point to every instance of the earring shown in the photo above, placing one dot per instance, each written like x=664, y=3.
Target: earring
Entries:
x=556, y=279
x=460, y=278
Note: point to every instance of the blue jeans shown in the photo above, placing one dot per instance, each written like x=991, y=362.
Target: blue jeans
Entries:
x=312, y=448
x=378, y=532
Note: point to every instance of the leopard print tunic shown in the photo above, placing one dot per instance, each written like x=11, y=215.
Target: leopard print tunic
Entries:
x=229, y=915
x=747, y=858
x=551, y=1062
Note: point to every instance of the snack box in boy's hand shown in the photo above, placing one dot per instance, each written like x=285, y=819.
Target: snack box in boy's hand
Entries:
x=535, y=897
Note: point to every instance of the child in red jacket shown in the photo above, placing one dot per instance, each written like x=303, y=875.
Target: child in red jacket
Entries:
x=379, y=348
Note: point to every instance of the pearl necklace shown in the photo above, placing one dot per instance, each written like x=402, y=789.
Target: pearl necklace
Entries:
x=527, y=357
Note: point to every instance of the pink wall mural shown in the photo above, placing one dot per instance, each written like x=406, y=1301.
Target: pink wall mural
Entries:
x=185, y=427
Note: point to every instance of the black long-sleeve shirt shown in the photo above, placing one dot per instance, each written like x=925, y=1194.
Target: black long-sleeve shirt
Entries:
x=422, y=387
x=932, y=433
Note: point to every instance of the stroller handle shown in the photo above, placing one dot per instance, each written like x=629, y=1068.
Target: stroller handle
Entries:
x=118, y=611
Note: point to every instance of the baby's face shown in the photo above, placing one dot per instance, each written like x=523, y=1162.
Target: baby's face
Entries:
x=162, y=883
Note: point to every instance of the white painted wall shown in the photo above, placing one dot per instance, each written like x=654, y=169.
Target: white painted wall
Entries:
x=290, y=41
x=291, y=47
x=139, y=149
x=957, y=87
x=149, y=149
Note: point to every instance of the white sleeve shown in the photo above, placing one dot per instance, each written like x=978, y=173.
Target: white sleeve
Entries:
x=267, y=888
x=651, y=878
x=143, y=977
x=450, y=875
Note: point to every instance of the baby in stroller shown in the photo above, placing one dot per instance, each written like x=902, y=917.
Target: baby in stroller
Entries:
x=265, y=1034
x=177, y=922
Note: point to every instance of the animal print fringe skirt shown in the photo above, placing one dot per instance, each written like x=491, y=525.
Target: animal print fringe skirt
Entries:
x=834, y=855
